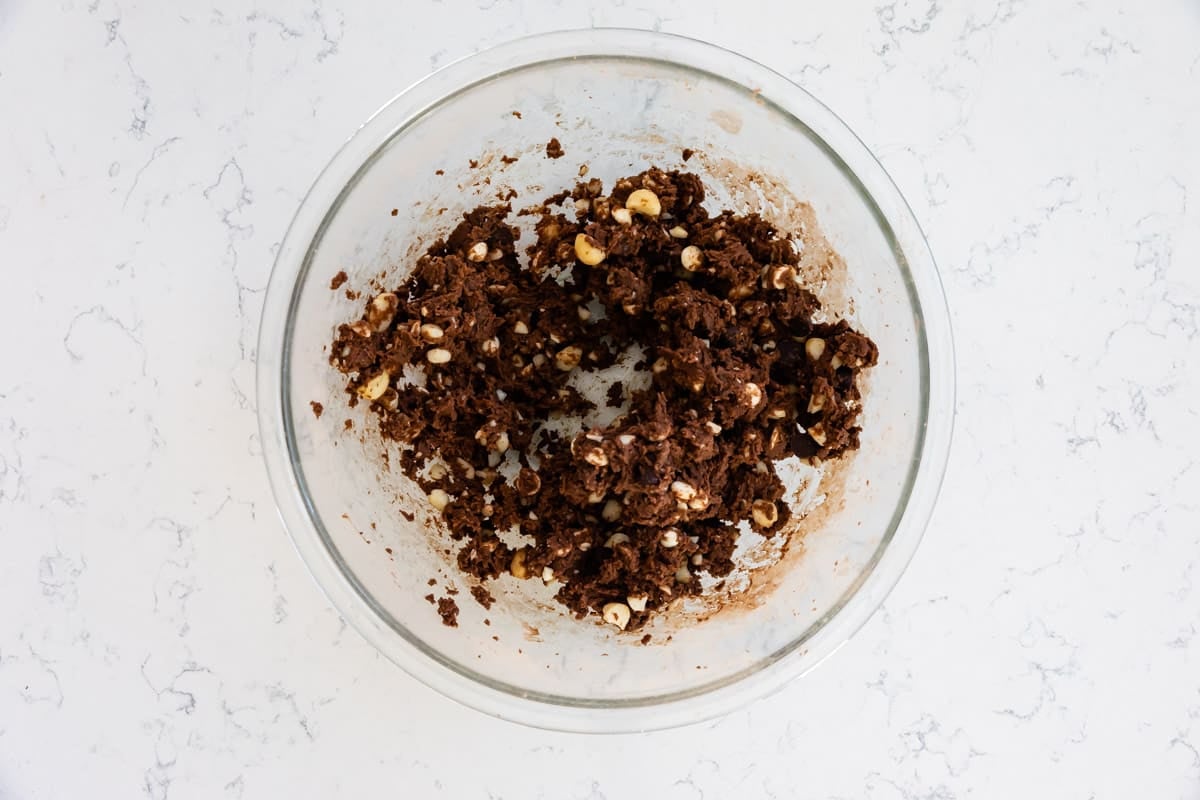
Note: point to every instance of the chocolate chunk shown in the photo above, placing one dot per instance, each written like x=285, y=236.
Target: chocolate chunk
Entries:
x=336, y=282
x=554, y=149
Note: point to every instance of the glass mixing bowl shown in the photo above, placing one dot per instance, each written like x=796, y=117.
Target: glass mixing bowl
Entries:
x=618, y=101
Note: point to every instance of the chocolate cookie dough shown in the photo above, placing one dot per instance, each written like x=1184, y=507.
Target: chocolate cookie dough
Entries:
x=622, y=518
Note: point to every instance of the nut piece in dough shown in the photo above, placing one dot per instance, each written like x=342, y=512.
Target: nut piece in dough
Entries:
x=612, y=511
x=568, y=358
x=644, y=202
x=765, y=513
x=779, y=277
x=616, y=614
x=517, y=565
x=382, y=311
x=478, y=252
x=817, y=434
x=374, y=388
x=438, y=355
x=683, y=492
x=588, y=250
x=439, y=499
x=753, y=394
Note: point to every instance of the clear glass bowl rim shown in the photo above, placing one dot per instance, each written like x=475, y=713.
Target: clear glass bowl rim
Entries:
x=458, y=681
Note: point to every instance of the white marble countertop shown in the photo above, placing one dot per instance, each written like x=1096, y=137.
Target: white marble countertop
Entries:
x=158, y=635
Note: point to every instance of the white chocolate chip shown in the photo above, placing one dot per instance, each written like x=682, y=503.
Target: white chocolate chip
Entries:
x=669, y=538
x=777, y=413
x=637, y=602
x=539, y=360
x=612, y=511
x=616, y=614
x=816, y=403
x=583, y=205
x=715, y=428
x=697, y=560
x=490, y=347
x=765, y=513
x=623, y=216
x=547, y=575
x=626, y=439
x=437, y=355
x=645, y=202
x=594, y=498
x=439, y=499
x=815, y=347
x=596, y=457
x=588, y=250
x=691, y=258
x=835, y=362
x=659, y=366
x=520, y=328
x=478, y=252
x=437, y=471
x=584, y=314
x=678, y=232
x=616, y=539
x=683, y=574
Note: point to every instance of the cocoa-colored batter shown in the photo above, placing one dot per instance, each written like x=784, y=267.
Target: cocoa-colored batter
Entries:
x=621, y=518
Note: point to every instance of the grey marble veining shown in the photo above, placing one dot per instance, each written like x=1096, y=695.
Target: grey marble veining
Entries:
x=158, y=635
